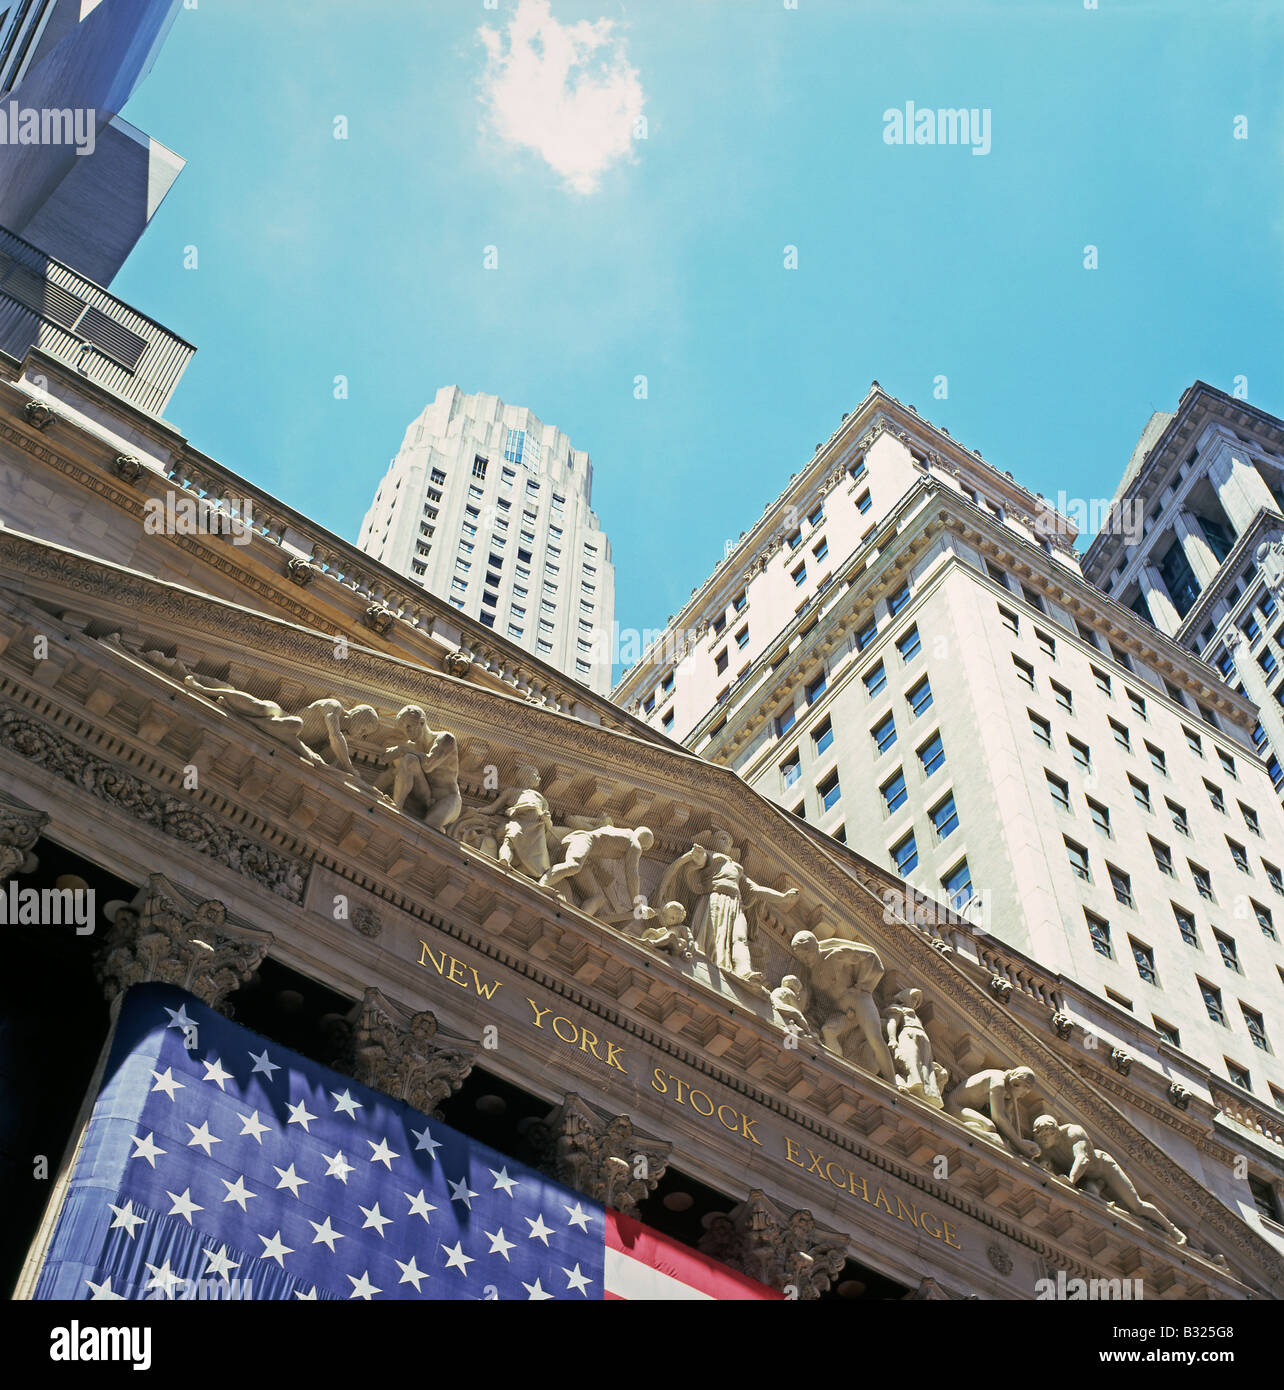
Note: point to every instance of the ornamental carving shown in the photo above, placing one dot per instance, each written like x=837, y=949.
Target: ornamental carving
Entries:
x=604, y=1158
x=1121, y=1060
x=784, y=1250
x=127, y=468
x=390, y=1049
x=367, y=921
x=459, y=664
x=301, y=571
x=37, y=413
x=1179, y=1095
x=1062, y=1024
x=166, y=935
x=1001, y=989
x=168, y=814
x=379, y=617
x=20, y=828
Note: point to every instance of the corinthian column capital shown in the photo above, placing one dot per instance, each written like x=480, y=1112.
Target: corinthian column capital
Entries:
x=785, y=1250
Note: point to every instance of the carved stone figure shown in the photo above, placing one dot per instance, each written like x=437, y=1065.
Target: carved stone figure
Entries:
x=842, y=976
x=669, y=932
x=327, y=722
x=606, y=1159
x=1067, y=1152
x=424, y=770
x=916, y=1072
x=20, y=828
x=586, y=855
x=527, y=825
x=988, y=1103
x=789, y=1252
x=788, y=1003
x=724, y=896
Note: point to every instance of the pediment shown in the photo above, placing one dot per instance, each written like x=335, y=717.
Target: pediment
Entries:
x=97, y=689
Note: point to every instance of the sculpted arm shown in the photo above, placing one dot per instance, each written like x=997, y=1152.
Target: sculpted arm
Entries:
x=760, y=892
x=1003, y=1113
x=338, y=741
x=1082, y=1156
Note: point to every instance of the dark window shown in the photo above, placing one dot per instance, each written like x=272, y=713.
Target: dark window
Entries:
x=884, y=734
x=875, y=679
x=1099, y=931
x=932, y=755
x=894, y=794
x=1145, y=961
x=1186, y=925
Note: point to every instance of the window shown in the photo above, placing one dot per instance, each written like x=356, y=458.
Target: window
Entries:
x=894, y=793
x=1082, y=754
x=1024, y=670
x=1202, y=883
x=816, y=688
x=1010, y=620
x=1122, y=884
x=875, y=679
x=1047, y=644
x=790, y=770
x=1122, y=737
x=1058, y=789
x=999, y=576
x=1239, y=854
x=1264, y=919
x=866, y=635
x=1167, y=1032
x=1212, y=1001
x=839, y=833
x=857, y=470
x=1250, y=818
x=666, y=684
x=884, y=734
x=1103, y=680
x=1032, y=598
x=1099, y=931
x=905, y=855
x=514, y=630
x=1193, y=741
x=742, y=637
x=909, y=645
x=740, y=602
x=820, y=549
x=1137, y=703
x=1079, y=861
x=1267, y=661
x=1040, y=728
x=1178, y=814
x=800, y=574
x=945, y=818
x=1186, y=925
x=488, y=619
x=1100, y=816
x=1215, y=798
x=479, y=466
x=794, y=539
x=1264, y=1198
x=1140, y=792
x=932, y=755
x=1230, y=956
x=1237, y=1074
x=1157, y=759
x=1273, y=875
x=816, y=515
x=785, y=721
x=1144, y=958
x=1063, y=697
x=460, y=586
x=958, y=886
x=898, y=600
x=720, y=662
x=863, y=503
x=437, y=476
x=1256, y=1027
x=920, y=698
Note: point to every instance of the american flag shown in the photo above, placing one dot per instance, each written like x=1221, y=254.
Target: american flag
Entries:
x=218, y=1164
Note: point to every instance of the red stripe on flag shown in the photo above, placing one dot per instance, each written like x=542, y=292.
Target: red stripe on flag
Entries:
x=630, y=1237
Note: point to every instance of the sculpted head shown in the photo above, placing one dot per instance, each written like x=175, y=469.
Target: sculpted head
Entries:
x=1021, y=1082
x=1045, y=1130
x=792, y=985
x=721, y=840
x=805, y=946
x=909, y=998
x=412, y=721
x=362, y=719
x=527, y=775
x=671, y=915
x=644, y=837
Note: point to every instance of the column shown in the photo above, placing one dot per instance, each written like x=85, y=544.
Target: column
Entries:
x=1199, y=553
x=1241, y=489
x=1163, y=612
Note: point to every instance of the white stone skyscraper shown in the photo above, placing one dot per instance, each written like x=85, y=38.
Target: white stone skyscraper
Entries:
x=488, y=507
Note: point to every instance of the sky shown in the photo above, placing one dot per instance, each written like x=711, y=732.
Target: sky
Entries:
x=641, y=170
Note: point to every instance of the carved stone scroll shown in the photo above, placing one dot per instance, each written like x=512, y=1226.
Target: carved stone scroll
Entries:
x=20, y=828
x=787, y=1251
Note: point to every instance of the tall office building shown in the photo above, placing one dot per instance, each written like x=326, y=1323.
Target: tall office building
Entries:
x=904, y=653
x=488, y=507
x=76, y=180
x=1208, y=481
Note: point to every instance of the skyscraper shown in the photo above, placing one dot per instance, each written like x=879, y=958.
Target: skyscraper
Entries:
x=1208, y=479
x=905, y=653
x=490, y=508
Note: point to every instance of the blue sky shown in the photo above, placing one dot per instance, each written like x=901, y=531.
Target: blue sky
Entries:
x=364, y=257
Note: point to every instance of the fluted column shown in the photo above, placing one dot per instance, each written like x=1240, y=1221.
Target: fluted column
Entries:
x=1199, y=554
x=1163, y=612
x=1241, y=489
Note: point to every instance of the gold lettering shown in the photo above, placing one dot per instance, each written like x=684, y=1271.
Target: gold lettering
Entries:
x=452, y=977
x=488, y=991
x=574, y=1031
x=924, y=1218
x=735, y=1124
x=791, y=1150
x=696, y=1108
x=841, y=1180
x=588, y=1042
x=657, y=1081
x=746, y=1128
x=815, y=1163
x=680, y=1084
x=881, y=1200
x=864, y=1186
x=613, y=1060
x=539, y=1013
x=912, y=1209
x=950, y=1231
x=438, y=965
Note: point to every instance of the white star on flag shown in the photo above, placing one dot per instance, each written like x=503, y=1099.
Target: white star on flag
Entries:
x=147, y=1149
x=289, y=1178
x=183, y=1206
x=274, y=1250
x=125, y=1217
x=338, y=1166
x=577, y=1216
x=382, y=1153
x=325, y=1233
x=220, y=1264
x=538, y=1229
x=419, y=1206
x=178, y=1019
x=237, y=1191
x=253, y=1126
x=349, y=1107
x=103, y=1291
x=503, y=1180
x=498, y=1245
x=214, y=1072
x=410, y=1273
x=299, y=1115
x=535, y=1292
x=576, y=1280
x=263, y=1064
x=165, y=1082
x=374, y=1218
x=363, y=1288
x=163, y=1278
x=202, y=1136
x=426, y=1141
x=456, y=1259
x=461, y=1192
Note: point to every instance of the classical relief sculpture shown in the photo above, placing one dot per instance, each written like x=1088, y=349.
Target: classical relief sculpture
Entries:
x=423, y=770
x=988, y=1102
x=516, y=826
x=724, y=895
x=326, y=723
x=789, y=1004
x=916, y=1072
x=589, y=854
x=842, y=976
x=1067, y=1152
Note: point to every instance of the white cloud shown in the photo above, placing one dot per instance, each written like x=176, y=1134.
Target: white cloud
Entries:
x=566, y=91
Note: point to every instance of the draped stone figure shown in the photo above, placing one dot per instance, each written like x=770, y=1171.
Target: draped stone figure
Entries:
x=726, y=902
x=842, y=976
x=517, y=824
x=917, y=1073
x=1067, y=1152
